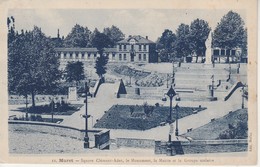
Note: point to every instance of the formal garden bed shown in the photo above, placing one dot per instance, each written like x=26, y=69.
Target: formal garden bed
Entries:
x=55, y=109
x=124, y=70
x=153, y=80
x=35, y=117
x=140, y=117
x=232, y=126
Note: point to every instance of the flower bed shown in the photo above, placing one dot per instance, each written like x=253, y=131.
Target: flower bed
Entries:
x=140, y=117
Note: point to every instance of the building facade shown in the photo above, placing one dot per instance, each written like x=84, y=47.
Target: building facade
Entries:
x=134, y=49
x=228, y=55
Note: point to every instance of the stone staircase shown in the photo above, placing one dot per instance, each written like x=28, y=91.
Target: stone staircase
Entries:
x=192, y=82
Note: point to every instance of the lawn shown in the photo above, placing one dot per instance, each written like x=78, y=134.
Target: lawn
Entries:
x=231, y=126
x=123, y=117
x=67, y=109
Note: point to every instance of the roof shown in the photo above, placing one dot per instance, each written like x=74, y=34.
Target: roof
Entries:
x=83, y=50
x=137, y=38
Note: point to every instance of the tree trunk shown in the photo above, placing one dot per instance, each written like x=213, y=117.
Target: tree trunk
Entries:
x=33, y=101
x=197, y=58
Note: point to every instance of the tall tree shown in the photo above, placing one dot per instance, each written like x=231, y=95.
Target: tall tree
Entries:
x=165, y=45
x=230, y=32
x=78, y=37
x=182, y=44
x=101, y=41
x=11, y=29
x=114, y=34
x=74, y=72
x=32, y=64
x=199, y=32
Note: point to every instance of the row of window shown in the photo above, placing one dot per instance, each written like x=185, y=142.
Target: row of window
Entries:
x=121, y=57
x=139, y=57
x=218, y=52
x=70, y=56
x=132, y=47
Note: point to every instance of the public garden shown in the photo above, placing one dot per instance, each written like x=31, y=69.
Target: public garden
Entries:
x=144, y=118
x=186, y=93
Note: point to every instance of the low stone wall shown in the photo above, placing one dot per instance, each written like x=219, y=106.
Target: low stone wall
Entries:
x=16, y=99
x=50, y=128
x=136, y=143
x=205, y=146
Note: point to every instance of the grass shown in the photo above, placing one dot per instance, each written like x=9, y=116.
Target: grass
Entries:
x=47, y=110
x=120, y=117
x=222, y=127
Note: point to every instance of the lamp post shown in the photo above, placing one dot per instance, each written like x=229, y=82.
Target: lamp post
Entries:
x=171, y=93
x=212, y=85
x=86, y=138
x=26, y=105
x=177, y=117
x=243, y=102
x=173, y=73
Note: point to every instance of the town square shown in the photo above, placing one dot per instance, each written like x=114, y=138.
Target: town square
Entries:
x=123, y=85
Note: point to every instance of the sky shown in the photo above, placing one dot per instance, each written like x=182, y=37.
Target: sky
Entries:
x=144, y=22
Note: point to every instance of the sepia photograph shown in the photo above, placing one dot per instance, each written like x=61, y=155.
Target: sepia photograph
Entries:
x=130, y=85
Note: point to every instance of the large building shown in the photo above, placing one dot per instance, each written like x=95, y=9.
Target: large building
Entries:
x=132, y=49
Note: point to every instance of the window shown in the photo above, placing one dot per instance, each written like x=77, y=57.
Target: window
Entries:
x=120, y=47
x=124, y=56
x=140, y=57
x=124, y=47
x=144, y=57
x=222, y=52
x=120, y=57
x=113, y=56
x=233, y=52
x=82, y=56
x=140, y=47
x=216, y=52
x=144, y=47
x=89, y=54
x=228, y=52
x=77, y=55
x=95, y=55
x=70, y=55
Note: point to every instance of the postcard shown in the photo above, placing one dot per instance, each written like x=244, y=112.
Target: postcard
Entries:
x=170, y=82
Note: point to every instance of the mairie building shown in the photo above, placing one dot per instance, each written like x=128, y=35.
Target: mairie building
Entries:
x=135, y=49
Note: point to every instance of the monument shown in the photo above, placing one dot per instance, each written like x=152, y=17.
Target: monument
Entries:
x=208, y=49
x=72, y=94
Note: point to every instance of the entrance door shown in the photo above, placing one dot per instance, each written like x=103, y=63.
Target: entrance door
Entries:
x=132, y=57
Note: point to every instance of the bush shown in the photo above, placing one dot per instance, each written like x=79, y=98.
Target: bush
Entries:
x=236, y=132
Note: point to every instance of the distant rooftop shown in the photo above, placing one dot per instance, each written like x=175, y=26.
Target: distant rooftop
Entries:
x=137, y=38
x=83, y=49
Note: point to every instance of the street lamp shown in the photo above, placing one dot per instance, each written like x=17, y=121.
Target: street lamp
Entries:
x=26, y=105
x=243, y=96
x=177, y=117
x=86, y=138
x=171, y=93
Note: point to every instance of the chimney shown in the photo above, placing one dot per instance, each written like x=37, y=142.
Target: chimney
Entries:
x=146, y=37
x=130, y=36
x=58, y=34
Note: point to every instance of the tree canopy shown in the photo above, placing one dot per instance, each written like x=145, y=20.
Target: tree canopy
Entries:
x=114, y=34
x=74, y=72
x=32, y=64
x=78, y=37
x=165, y=45
x=199, y=32
x=182, y=45
x=230, y=32
x=101, y=41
